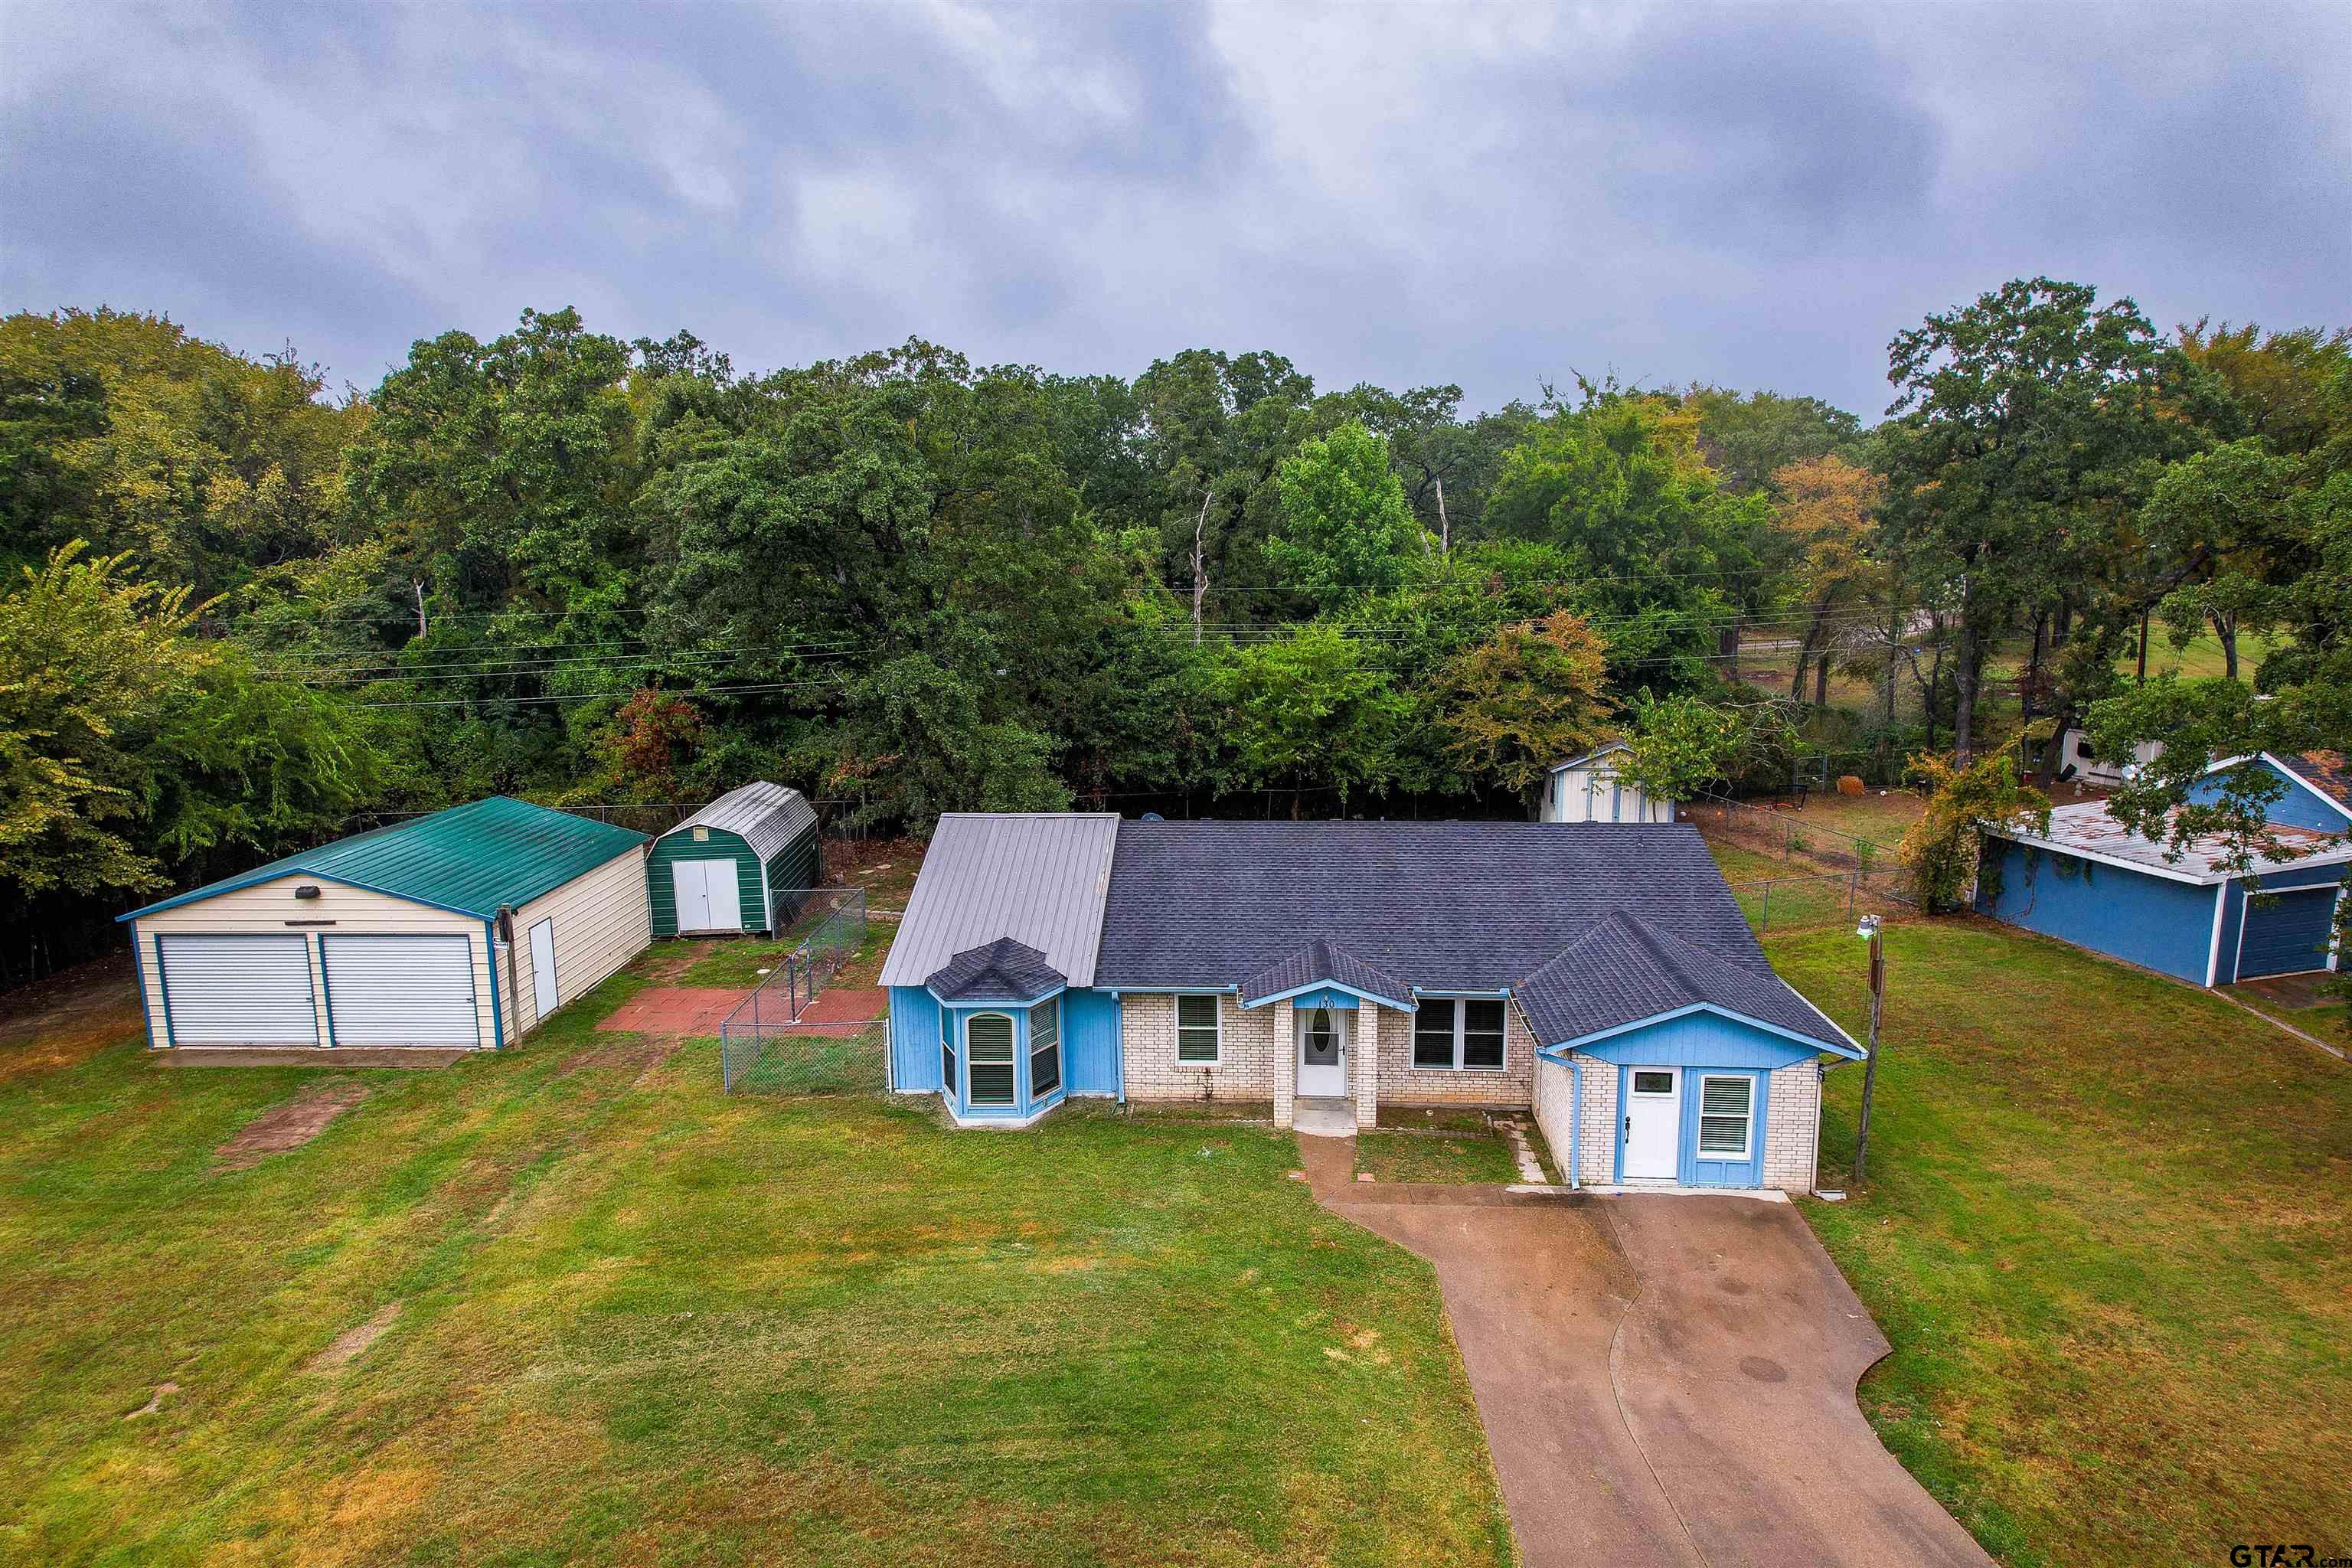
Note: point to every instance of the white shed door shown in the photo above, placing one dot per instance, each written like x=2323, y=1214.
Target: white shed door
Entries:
x=706, y=894
x=401, y=990
x=238, y=990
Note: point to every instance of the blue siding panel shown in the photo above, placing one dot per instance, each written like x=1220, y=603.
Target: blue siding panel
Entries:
x=1338, y=1001
x=2287, y=934
x=2160, y=924
x=1697, y=1173
x=2298, y=806
x=914, y=1040
x=1090, y=1041
x=1699, y=1039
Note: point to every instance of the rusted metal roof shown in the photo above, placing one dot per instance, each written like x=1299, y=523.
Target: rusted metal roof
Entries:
x=2085, y=828
x=2325, y=771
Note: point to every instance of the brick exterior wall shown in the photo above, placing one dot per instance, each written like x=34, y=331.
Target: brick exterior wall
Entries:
x=1792, y=1126
x=1285, y=1063
x=1246, y=1067
x=1365, y=1068
x=1402, y=1083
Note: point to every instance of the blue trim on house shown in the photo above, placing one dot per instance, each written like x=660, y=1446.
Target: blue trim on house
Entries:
x=491, y=963
x=1091, y=1059
x=163, y=988
x=1690, y=1170
x=1575, y=1122
x=1322, y=988
x=317, y=947
x=1595, y=1044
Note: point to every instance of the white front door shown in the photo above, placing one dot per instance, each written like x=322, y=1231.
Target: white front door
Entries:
x=1322, y=1051
x=544, y=997
x=1653, y=1119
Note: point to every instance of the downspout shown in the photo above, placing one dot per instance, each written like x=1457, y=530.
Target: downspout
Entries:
x=490, y=963
x=1575, y=1122
x=514, y=984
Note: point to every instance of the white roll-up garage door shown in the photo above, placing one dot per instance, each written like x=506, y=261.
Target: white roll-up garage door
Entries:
x=237, y=990
x=401, y=990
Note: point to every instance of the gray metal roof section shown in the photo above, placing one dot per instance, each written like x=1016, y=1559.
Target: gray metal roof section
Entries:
x=1038, y=877
x=767, y=816
x=1003, y=971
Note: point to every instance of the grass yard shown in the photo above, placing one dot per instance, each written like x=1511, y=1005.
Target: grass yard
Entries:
x=2108, y=1229
x=1430, y=1157
x=631, y=1321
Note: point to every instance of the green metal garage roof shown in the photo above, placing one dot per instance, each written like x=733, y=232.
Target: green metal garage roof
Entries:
x=472, y=858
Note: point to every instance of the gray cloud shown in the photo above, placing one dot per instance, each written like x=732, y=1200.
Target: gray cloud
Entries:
x=1483, y=194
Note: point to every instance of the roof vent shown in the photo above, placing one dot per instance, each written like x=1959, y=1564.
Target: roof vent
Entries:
x=307, y=891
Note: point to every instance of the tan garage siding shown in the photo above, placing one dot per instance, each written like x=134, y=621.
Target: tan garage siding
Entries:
x=266, y=907
x=602, y=920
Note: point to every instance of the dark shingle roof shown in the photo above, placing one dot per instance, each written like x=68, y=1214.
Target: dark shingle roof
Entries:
x=1320, y=963
x=1624, y=970
x=1003, y=971
x=474, y=858
x=1611, y=916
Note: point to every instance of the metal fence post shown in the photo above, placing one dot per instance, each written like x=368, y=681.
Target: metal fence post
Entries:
x=1852, y=886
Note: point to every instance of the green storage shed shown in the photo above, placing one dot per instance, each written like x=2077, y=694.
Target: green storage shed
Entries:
x=740, y=864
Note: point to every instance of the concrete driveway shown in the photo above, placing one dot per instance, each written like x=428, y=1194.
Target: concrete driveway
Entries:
x=1663, y=1379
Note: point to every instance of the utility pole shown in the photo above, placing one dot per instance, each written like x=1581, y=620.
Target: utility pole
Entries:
x=1870, y=928
x=1200, y=576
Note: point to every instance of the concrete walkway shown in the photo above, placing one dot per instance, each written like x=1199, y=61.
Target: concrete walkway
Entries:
x=1662, y=1381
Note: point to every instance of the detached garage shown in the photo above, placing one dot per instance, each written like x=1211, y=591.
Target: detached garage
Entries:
x=457, y=931
x=744, y=863
x=2091, y=882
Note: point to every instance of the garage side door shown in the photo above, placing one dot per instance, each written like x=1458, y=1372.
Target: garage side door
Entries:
x=2288, y=933
x=401, y=990
x=237, y=990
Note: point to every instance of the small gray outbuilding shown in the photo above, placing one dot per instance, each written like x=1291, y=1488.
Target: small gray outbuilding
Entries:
x=744, y=863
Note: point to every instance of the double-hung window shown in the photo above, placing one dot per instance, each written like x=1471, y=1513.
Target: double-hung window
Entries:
x=1726, y=1107
x=988, y=1050
x=1196, y=1030
x=1458, y=1033
x=946, y=1052
x=1044, y=1048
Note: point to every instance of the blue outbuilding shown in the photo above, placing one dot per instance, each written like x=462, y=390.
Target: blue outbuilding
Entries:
x=2091, y=882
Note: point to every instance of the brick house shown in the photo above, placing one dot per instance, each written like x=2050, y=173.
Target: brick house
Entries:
x=1598, y=974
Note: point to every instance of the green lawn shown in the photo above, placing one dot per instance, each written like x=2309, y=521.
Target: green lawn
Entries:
x=641, y=1322
x=1430, y=1157
x=2108, y=1229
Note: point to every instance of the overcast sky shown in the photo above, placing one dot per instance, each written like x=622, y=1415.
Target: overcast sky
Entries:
x=1754, y=196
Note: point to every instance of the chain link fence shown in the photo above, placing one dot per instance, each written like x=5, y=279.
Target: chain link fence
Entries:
x=1785, y=903
x=1784, y=836
x=766, y=1043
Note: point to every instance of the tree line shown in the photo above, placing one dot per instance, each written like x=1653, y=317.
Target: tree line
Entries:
x=245, y=613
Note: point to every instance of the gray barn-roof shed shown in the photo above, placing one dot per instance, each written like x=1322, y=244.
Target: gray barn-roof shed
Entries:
x=741, y=863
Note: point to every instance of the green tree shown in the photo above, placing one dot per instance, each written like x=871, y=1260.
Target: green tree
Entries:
x=917, y=742
x=1306, y=712
x=87, y=651
x=2029, y=424
x=1527, y=698
x=1679, y=746
x=1940, y=851
x=1669, y=561
x=1346, y=530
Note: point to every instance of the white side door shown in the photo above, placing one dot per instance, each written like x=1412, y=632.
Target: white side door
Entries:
x=544, y=997
x=1653, y=1119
